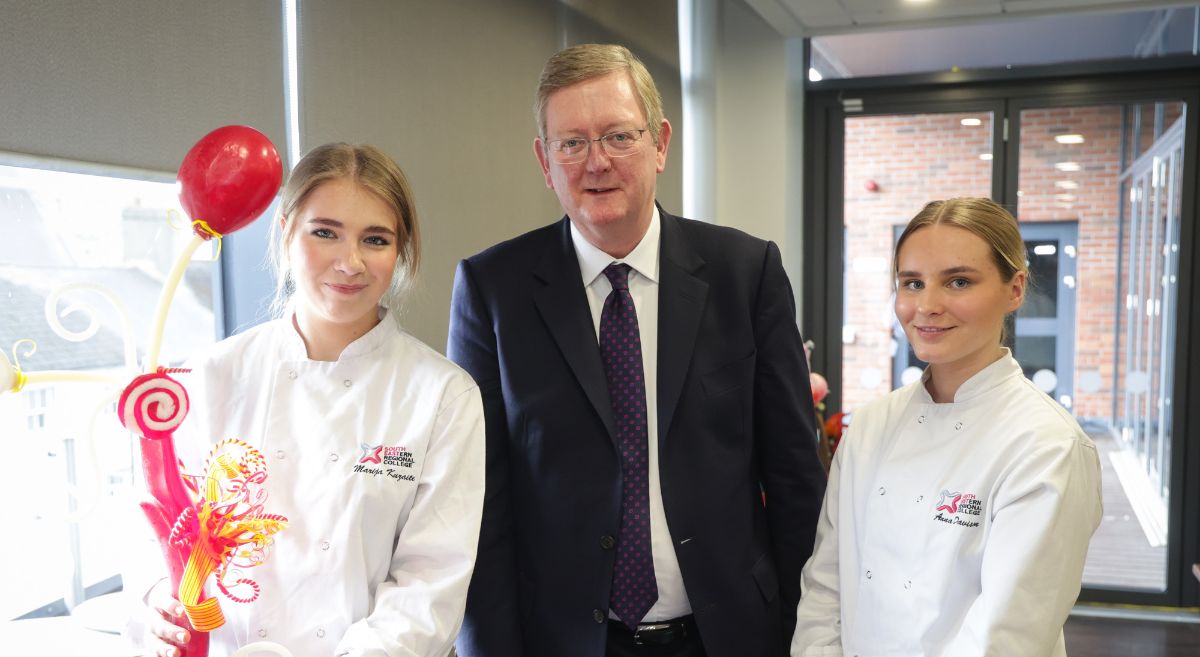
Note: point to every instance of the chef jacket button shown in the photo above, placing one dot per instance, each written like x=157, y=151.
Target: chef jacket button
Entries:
x=262, y=632
x=333, y=457
x=607, y=542
x=882, y=491
x=347, y=383
x=957, y=426
x=868, y=574
x=919, y=498
x=920, y=419
x=292, y=375
x=324, y=545
x=320, y=633
x=598, y=615
x=280, y=454
x=908, y=585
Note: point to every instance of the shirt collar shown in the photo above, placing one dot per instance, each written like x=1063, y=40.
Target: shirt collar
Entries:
x=292, y=345
x=643, y=258
x=981, y=382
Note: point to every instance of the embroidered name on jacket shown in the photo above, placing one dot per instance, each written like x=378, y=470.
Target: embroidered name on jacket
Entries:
x=380, y=459
x=962, y=509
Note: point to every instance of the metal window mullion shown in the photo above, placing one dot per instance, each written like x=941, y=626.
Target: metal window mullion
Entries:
x=1167, y=323
x=1152, y=332
x=1128, y=425
x=1139, y=272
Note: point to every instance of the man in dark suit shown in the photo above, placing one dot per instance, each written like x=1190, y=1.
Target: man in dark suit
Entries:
x=653, y=483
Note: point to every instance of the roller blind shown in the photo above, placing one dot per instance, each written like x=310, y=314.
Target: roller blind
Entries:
x=136, y=82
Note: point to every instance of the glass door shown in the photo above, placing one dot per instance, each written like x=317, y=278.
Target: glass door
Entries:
x=1097, y=178
x=1044, y=335
x=1103, y=181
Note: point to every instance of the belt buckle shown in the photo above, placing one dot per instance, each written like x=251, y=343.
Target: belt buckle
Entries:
x=658, y=634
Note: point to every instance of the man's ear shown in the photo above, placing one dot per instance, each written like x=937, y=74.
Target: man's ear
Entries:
x=539, y=151
x=664, y=140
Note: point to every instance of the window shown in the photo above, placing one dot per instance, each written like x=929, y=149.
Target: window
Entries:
x=72, y=467
x=38, y=401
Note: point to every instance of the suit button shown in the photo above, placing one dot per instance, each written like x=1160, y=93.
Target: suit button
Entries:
x=598, y=615
x=607, y=542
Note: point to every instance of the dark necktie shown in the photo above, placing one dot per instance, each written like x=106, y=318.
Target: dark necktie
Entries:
x=634, y=588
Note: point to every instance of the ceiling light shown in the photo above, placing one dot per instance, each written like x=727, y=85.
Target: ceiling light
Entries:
x=814, y=75
x=1067, y=166
x=1066, y=184
x=1064, y=198
x=972, y=122
x=986, y=157
x=1069, y=139
x=1045, y=249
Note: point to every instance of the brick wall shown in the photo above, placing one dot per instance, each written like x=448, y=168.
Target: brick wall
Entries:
x=912, y=159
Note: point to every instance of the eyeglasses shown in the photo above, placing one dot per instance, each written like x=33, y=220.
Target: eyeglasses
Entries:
x=571, y=150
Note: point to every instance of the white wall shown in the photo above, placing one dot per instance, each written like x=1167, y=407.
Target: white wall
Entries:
x=752, y=127
x=759, y=83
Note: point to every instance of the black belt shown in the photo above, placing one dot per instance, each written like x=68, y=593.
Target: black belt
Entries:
x=658, y=633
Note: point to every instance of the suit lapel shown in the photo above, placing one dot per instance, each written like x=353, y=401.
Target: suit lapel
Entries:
x=563, y=305
x=681, y=299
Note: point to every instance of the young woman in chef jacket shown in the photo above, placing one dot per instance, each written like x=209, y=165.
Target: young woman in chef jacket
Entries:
x=374, y=442
x=959, y=507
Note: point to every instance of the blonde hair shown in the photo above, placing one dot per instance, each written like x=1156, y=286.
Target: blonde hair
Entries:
x=374, y=171
x=982, y=217
x=592, y=60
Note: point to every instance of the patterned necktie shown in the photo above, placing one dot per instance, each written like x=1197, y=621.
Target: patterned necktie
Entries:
x=634, y=588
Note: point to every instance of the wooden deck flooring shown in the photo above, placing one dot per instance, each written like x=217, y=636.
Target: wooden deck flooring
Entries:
x=1119, y=555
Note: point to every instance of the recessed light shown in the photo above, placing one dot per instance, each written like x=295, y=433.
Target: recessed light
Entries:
x=814, y=75
x=1045, y=249
x=1066, y=184
x=1069, y=139
x=972, y=122
x=1067, y=166
x=986, y=157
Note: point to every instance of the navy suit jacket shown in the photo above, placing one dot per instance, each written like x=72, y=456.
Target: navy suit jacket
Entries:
x=735, y=421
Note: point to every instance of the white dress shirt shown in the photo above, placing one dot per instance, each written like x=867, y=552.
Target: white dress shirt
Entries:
x=643, y=287
x=952, y=530
x=377, y=460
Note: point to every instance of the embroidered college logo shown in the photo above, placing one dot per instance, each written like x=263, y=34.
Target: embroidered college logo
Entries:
x=371, y=453
x=962, y=509
x=952, y=507
x=394, y=462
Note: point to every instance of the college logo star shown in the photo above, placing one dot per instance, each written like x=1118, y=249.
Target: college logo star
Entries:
x=371, y=453
x=952, y=507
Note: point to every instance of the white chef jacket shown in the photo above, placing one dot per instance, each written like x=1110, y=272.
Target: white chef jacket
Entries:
x=952, y=530
x=380, y=545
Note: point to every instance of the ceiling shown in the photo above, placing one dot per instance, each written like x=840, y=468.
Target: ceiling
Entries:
x=819, y=17
x=853, y=38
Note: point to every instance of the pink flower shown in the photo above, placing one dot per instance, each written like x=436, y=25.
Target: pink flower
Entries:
x=820, y=387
